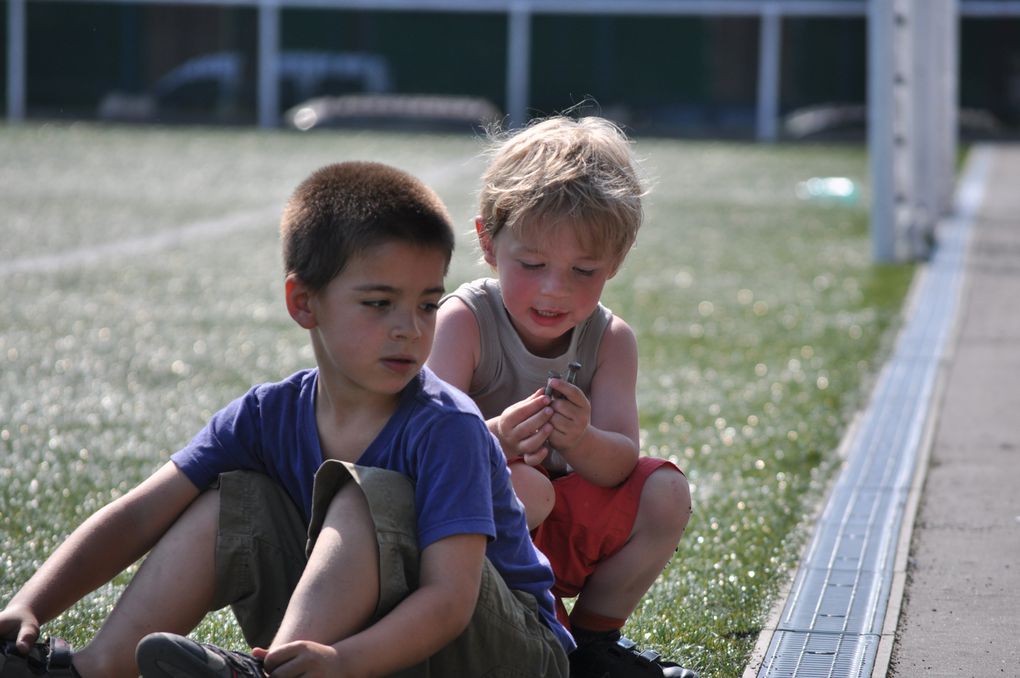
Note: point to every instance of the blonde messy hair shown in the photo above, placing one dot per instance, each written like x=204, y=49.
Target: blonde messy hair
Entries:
x=559, y=170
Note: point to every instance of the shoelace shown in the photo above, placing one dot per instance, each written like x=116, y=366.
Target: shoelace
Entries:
x=240, y=662
x=648, y=656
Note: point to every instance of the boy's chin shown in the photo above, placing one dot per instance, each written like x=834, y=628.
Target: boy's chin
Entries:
x=399, y=382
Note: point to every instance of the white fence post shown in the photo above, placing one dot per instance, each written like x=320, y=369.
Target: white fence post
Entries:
x=912, y=121
x=15, y=60
x=881, y=128
x=948, y=34
x=924, y=151
x=769, y=68
x=518, y=63
x=269, y=64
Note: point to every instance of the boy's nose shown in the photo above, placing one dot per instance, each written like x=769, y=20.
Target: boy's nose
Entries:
x=556, y=283
x=407, y=326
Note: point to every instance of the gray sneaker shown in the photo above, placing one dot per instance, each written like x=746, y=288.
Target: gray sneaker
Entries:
x=167, y=655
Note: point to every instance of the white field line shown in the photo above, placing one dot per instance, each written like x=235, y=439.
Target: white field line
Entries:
x=144, y=244
x=447, y=174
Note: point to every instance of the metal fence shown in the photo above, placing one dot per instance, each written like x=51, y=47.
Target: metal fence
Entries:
x=519, y=15
x=912, y=88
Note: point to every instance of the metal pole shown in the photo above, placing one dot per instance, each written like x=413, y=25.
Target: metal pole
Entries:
x=880, y=128
x=949, y=35
x=518, y=63
x=924, y=154
x=16, y=27
x=905, y=139
x=269, y=64
x=933, y=116
x=769, y=63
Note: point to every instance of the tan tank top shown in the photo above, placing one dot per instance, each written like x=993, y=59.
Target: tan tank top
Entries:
x=507, y=372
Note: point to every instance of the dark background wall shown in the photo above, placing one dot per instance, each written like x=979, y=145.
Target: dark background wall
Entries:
x=684, y=75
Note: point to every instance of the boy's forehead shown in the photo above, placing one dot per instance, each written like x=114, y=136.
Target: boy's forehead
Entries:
x=542, y=234
x=398, y=260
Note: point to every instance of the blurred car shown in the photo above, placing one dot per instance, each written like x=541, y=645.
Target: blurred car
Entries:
x=219, y=85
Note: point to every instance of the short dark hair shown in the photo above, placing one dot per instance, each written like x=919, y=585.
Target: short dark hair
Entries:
x=344, y=209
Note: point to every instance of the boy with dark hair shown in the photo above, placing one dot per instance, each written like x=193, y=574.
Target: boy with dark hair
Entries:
x=418, y=556
x=560, y=208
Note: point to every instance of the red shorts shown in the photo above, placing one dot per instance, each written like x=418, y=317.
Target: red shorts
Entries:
x=590, y=523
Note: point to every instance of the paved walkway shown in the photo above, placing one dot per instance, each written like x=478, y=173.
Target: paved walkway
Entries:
x=961, y=605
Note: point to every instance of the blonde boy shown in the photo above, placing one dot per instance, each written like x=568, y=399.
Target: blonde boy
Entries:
x=560, y=208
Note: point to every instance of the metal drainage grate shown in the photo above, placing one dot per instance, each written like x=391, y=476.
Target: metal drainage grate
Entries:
x=832, y=621
x=820, y=654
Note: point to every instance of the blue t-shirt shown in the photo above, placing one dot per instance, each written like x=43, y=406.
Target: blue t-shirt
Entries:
x=436, y=438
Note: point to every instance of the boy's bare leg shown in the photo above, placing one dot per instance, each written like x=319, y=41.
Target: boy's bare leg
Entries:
x=535, y=491
x=172, y=590
x=339, y=589
x=617, y=586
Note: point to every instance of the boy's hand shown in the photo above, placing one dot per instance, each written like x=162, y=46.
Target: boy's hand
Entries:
x=305, y=658
x=19, y=624
x=571, y=415
x=524, y=428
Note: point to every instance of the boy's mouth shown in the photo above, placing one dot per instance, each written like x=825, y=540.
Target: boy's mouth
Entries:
x=543, y=317
x=400, y=363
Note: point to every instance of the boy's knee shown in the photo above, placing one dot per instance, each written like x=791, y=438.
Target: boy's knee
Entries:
x=348, y=505
x=535, y=491
x=666, y=500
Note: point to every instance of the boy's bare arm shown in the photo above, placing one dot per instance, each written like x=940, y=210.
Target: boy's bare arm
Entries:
x=522, y=428
x=107, y=542
x=456, y=346
x=427, y=620
x=598, y=436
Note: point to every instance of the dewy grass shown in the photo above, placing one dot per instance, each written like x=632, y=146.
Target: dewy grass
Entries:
x=760, y=321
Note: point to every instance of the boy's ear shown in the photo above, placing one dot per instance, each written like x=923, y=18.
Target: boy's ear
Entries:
x=485, y=242
x=299, y=302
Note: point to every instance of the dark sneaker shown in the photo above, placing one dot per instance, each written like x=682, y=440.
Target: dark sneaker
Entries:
x=612, y=656
x=52, y=658
x=167, y=655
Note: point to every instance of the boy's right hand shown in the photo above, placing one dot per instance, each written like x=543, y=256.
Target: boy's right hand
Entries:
x=19, y=624
x=523, y=429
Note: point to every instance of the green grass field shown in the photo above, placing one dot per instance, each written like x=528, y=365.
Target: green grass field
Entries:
x=142, y=291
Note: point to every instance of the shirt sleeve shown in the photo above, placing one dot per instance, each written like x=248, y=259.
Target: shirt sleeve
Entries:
x=453, y=494
x=229, y=442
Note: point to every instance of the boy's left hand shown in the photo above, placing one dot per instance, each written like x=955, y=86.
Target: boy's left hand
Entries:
x=304, y=658
x=571, y=415
x=18, y=623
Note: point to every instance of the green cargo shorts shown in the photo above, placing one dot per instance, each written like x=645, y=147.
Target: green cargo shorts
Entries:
x=262, y=548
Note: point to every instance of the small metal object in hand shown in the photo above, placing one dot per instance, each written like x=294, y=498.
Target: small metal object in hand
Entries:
x=553, y=374
x=570, y=377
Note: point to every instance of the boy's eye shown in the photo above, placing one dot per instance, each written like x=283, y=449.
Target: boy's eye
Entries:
x=376, y=303
x=584, y=271
x=430, y=307
x=530, y=265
